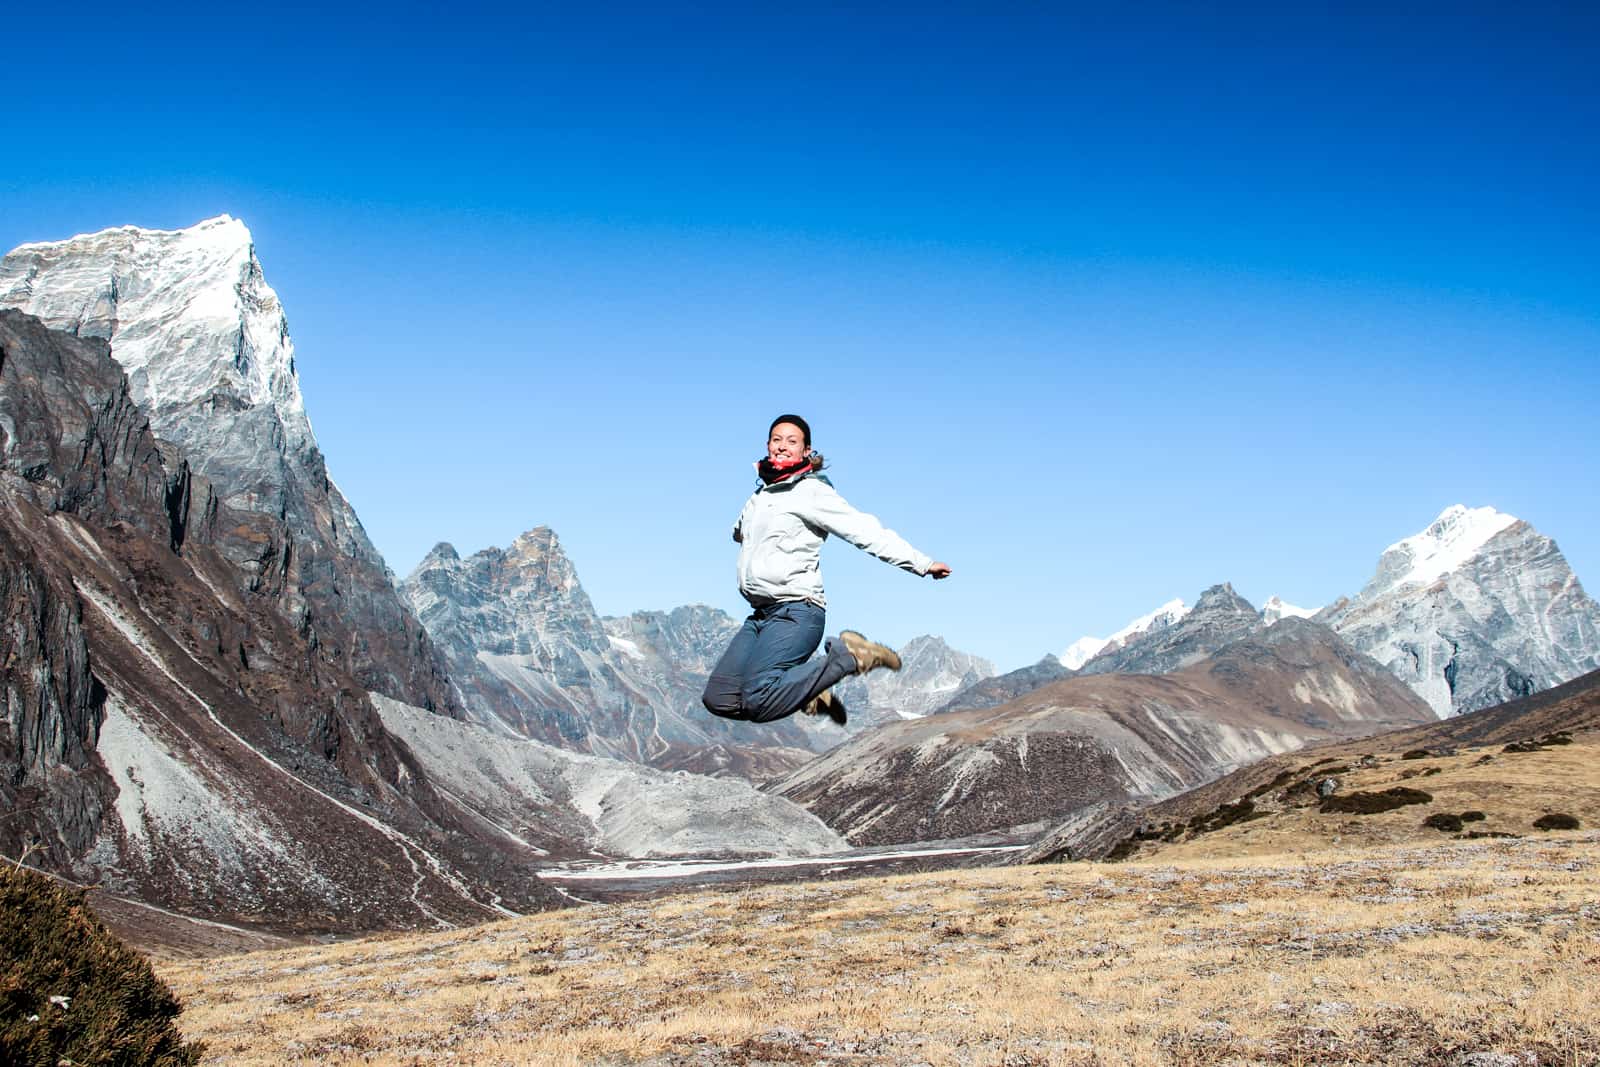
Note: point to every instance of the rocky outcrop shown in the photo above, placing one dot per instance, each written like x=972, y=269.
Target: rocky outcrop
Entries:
x=205, y=345
x=1219, y=618
x=1478, y=609
x=1121, y=739
x=1090, y=834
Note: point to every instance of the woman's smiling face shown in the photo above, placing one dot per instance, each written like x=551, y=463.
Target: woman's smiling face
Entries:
x=787, y=445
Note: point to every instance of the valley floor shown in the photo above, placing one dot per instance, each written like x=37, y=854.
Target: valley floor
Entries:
x=1461, y=952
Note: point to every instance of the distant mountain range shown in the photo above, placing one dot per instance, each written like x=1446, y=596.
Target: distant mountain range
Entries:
x=221, y=701
x=1477, y=609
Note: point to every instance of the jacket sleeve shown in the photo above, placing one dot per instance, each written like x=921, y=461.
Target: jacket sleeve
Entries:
x=823, y=507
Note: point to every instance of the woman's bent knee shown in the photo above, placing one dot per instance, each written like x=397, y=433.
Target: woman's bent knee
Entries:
x=723, y=700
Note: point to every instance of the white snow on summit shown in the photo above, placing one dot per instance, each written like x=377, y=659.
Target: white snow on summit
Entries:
x=1081, y=651
x=1277, y=608
x=1451, y=540
x=1085, y=649
x=187, y=312
x=1159, y=619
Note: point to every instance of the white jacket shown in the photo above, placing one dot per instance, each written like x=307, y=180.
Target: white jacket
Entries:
x=780, y=534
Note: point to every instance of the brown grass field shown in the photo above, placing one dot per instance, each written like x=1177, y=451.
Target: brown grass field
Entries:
x=1299, y=938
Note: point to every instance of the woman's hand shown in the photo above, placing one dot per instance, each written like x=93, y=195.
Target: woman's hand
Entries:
x=938, y=570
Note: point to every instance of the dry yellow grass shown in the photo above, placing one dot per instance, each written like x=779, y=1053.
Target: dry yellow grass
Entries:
x=1512, y=790
x=1400, y=954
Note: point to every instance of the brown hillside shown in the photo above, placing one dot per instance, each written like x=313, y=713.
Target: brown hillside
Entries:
x=1111, y=737
x=1514, y=764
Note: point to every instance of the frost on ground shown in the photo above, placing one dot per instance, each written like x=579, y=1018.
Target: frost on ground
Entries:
x=1450, y=953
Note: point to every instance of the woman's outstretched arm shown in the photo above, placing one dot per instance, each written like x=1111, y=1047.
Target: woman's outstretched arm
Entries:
x=824, y=508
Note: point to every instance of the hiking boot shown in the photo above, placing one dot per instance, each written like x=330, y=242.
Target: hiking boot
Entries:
x=868, y=654
x=825, y=703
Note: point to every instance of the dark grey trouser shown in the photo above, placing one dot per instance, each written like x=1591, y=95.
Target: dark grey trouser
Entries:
x=767, y=672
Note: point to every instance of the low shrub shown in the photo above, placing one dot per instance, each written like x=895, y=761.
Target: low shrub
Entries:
x=1557, y=820
x=1268, y=787
x=1373, y=803
x=1416, y=753
x=1444, y=821
x=1523, y=746
x=1226, y=815
x=1473, y=816
x=70, y=991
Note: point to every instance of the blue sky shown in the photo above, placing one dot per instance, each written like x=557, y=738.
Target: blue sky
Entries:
x=1100, y=309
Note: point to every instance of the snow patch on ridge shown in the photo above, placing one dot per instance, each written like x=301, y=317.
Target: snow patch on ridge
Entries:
x=1159, y=619
x=1081, y=651
x=1277, y=608
x=1085, y=649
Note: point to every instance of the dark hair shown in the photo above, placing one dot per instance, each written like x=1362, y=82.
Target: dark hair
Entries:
x=795, y=420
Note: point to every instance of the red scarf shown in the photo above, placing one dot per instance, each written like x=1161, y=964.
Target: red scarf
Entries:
x=773, y=475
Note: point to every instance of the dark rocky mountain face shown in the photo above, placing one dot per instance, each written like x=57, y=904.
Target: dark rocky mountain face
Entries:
x=1100, y=738
x=205, y=344
x=1219, y=618
x=171, y=730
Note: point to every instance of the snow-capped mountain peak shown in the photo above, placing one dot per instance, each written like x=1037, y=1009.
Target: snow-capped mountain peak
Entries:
x=1277, y=608
x=1085, y=649
x=1081, y=651
x=1454, y=538
x=188, y=313
x=1477, y=609
x=1159, y=619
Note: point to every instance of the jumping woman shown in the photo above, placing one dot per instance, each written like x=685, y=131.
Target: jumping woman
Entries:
x=765, y=674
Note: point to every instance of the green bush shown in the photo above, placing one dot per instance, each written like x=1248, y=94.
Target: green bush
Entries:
x=70, y=991
x=1557, y=820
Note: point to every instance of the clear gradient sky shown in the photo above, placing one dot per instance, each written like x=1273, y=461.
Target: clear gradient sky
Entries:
x=1100, y=309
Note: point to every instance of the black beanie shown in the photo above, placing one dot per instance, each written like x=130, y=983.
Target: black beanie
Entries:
x=795, y=420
